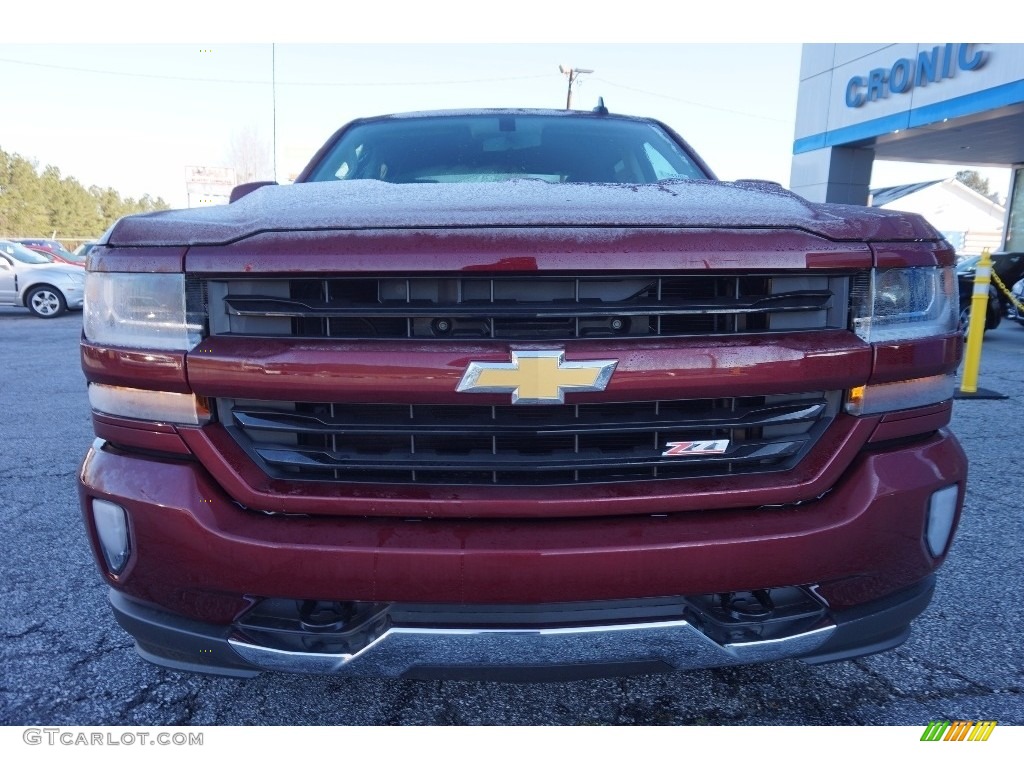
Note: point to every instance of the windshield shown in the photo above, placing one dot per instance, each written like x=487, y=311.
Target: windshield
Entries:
x=21, y=253
x=475, y=148
x=52, y=247
x=73, y=258
x=967, y=264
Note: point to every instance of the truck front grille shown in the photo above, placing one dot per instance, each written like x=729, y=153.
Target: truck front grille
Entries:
x=525, y=445
x=532, y=307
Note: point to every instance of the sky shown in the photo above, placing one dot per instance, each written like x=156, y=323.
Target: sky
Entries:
x=132, y=116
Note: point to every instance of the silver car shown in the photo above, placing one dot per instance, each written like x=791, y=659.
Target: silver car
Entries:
x=29, y=279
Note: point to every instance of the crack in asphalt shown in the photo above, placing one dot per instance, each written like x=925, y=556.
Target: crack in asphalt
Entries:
x=13, y=475
x=141, y=696
x=98, y=653
x=970, y=687
x=978, y=689
x=27, y=631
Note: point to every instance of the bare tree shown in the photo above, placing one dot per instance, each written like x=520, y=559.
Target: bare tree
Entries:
x=249, y=155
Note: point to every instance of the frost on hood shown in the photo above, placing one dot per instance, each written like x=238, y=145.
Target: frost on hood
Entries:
x=371, y=204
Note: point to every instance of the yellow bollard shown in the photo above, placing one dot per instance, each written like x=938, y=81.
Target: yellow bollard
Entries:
x=979, y=318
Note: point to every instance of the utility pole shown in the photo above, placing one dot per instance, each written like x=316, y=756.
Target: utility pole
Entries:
x=572, y=74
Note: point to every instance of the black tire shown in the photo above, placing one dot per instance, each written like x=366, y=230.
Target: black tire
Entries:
x=996, y=309
x=46, y=302
x=993, y=319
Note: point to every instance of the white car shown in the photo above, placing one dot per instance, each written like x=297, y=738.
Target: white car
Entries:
x=29, y=279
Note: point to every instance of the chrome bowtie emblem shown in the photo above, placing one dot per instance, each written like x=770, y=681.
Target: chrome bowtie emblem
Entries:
x=538, y=377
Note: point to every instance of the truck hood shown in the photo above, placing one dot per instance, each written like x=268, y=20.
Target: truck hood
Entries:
x=518, y=203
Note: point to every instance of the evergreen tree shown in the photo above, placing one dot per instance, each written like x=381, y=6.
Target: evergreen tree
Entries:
x=46, y=204
x=23, y=202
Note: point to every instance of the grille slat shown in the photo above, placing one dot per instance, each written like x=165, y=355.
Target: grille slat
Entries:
x=270, y=306
x=525, y=445
x=356, y=423
x=484, y=461
x=535, y=306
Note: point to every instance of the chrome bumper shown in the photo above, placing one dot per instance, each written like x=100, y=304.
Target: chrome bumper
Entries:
x=400, y=650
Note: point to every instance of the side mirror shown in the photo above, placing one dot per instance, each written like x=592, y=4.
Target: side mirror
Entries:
x=250, y=186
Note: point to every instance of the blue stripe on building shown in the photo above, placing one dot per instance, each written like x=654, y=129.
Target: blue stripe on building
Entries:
x=991, y=98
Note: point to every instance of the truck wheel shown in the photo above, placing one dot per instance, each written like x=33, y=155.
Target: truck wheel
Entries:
x=46, y=301
x=965, y=319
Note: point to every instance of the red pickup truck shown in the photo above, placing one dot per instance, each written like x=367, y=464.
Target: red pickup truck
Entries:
x=505, y=393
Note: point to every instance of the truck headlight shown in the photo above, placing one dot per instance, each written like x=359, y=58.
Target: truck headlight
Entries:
x=906, y=303
x=140, y=310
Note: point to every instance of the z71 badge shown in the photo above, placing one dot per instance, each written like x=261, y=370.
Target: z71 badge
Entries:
x=696, y=448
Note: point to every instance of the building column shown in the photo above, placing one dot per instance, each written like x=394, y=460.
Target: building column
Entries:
x=833, y=174
x=1014, y=229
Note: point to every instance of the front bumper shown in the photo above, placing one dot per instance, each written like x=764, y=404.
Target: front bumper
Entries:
x=522, y=652
x=199, y=563
x=74, y=296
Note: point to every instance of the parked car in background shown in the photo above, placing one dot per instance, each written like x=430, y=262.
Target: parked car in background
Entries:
x=59, y=254
x=966, y=263
x=1018, y=293
x=994, y=312
x=29, y=279
x=1008, y=266
x=84, y=248
x=67, y=258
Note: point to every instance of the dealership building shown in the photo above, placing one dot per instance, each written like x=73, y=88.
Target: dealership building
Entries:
x=950, y=103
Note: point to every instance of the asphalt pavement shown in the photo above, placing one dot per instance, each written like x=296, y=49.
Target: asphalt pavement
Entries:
x=64, y=660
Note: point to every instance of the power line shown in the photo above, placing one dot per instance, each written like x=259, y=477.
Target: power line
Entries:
x=267, y=82
x=691, y=103
x=337, y=84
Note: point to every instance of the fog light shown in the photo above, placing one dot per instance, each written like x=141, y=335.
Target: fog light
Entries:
x=112, y=527
x=941, y=513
